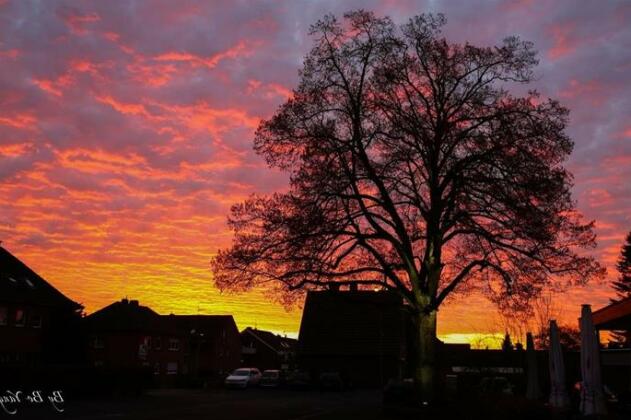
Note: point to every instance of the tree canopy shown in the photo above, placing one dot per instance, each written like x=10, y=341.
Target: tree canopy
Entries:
x=622, y=285
x=412, y=167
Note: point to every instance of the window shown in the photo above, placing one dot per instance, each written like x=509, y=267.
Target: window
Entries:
x=172, y=368
x=174, y=344
x=3, y=315
x=98, y=363
x=97, y=342
x=156, y=368
x=35, y=320
x=29, y=282
x=157, y=343
x=19, y=317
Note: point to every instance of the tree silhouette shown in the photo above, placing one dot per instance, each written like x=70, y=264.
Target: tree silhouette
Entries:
x=622, y=286
x=412, y=168
x=507, y=343
x=569, y=337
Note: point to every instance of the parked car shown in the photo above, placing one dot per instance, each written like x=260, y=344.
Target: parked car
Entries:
x=496, y=385
x=331, y=381
x=400, y=396
x=299, y=379
x=243, y=377
x=270, y=378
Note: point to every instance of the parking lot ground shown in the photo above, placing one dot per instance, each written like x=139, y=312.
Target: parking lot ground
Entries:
x=252, y=404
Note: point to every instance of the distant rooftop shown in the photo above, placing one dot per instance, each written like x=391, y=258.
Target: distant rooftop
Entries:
x=20, y=284
x=616, y=316
x=130, y=315
x=275, y=342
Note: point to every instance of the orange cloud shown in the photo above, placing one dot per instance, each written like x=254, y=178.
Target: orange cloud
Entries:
x=13, y=150
x=240, y=49
x=123, y=108
x=20, y=120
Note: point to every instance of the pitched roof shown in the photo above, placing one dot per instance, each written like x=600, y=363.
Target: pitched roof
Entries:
x=352, y=323
x=20, y=284
x=275, y=342
x=206, y=324
x=124, y=315
x=129, y=315
x=614, y=316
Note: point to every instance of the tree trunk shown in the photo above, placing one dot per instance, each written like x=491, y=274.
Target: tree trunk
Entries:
x=425, y=362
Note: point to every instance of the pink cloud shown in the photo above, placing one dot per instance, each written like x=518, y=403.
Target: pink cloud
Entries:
x=240, y=49
x=563, y=41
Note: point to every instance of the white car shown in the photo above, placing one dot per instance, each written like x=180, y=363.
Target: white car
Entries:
x=243, y=377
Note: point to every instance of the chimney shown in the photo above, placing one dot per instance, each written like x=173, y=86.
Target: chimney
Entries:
x=334, y=287
x=124, y=301
x=133, y=303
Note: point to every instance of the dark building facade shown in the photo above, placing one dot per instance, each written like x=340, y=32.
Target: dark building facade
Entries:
x=38, y=324
x=266, y=350
x=359, y=334
x=176, y=349
x=212, y=341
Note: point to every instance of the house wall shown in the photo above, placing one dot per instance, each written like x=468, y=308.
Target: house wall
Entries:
x=210, y=357
x=47, y=335
x=356, y=370
x=221, y=354
x=120, y=351
x=22, y=343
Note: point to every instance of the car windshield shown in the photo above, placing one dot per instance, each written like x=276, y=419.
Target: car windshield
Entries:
x=241, y=372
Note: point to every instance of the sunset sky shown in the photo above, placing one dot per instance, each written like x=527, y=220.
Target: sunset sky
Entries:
x=126, y=133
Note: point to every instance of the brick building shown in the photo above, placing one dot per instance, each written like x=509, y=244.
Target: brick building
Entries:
x=176, y=349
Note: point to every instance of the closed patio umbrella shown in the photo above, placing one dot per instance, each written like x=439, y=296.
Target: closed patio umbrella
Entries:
x=533, y=392
x=558, y=391
x=592, y=397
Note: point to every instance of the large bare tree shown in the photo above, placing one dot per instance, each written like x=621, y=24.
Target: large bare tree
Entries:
x=412, y=168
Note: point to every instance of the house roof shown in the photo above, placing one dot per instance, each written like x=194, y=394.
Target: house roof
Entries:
x=124, y=315
x=20, y=284
x=616, y=316
x=129, y=315
x=352, y=323
x=273, y=341
x=205, y=324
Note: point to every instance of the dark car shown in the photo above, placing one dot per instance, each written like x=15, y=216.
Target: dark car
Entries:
x=400, y=394
x=270, y=378
x=299, y=379
x=331, y=381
